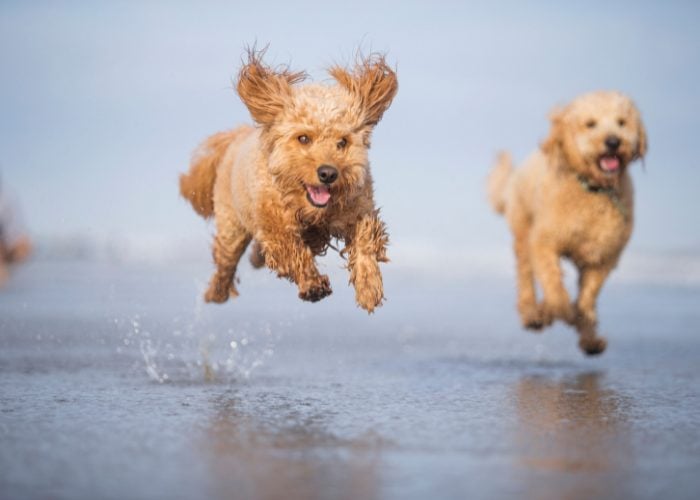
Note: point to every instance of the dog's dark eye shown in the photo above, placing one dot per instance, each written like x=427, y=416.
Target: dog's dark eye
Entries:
x=621, y=122
x=591, y=123
x=304, y=139
x=342, y=143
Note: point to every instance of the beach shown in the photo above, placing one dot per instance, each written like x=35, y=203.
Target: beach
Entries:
x=116, y=381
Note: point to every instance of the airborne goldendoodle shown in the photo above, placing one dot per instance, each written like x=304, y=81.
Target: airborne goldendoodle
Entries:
x=298, y=179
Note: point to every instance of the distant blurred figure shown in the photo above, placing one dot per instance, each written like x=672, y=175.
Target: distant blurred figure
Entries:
x=15, y=245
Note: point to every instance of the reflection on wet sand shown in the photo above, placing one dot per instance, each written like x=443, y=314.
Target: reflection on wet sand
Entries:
x=573, y=437
x=285, y=454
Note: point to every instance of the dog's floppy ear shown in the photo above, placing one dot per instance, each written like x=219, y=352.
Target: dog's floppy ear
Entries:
x=555, y=140
x=264, y=90
x=372, y=82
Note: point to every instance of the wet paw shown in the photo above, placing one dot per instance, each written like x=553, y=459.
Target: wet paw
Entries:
x=533, y=318
x=218, y=293
x=370, y=295
x=592, y=346
x=367, y=280
x=317, y=291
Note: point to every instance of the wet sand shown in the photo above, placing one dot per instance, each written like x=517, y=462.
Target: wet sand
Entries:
x=117, y=382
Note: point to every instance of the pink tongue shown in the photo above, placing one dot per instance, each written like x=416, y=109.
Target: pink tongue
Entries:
x=610, y=163
x=319, y=194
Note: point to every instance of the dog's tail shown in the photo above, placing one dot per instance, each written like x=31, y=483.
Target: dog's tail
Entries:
x=197, y=185
x=498, y=181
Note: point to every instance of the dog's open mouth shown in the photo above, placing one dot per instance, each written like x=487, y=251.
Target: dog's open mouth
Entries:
x=610, y=164
x=318, y=196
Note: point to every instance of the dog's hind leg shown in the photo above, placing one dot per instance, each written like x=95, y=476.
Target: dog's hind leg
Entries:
x=530, y=313
x=591, y=281
x=367, y=248
x=556, y=303
x=230, y=242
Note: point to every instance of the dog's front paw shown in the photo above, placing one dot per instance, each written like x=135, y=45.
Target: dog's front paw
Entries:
x=219, y=292
x=316, y=290
x=531, y=317
x=592, y=346
x=369, y=294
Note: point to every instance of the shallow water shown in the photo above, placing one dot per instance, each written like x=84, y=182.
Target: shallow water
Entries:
x=117, y=382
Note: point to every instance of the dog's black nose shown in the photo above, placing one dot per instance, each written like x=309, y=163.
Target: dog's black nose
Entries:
x=327, y=174
x=612, y=142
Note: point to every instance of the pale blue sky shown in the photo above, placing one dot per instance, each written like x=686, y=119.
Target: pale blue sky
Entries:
x=103, y=102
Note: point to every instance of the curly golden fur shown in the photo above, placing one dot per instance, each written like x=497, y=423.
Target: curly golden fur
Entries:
x=572, y=198
x=298, y=179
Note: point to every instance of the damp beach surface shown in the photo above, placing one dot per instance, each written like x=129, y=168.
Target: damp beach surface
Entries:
x=116, y=381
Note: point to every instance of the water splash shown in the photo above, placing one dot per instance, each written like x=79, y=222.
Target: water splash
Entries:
x=195, y=347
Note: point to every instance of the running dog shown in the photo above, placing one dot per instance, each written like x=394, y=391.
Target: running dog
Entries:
x=572, y=198
x=297, y=179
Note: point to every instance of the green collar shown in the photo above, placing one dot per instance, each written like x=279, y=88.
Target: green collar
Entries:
x=611, y=193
